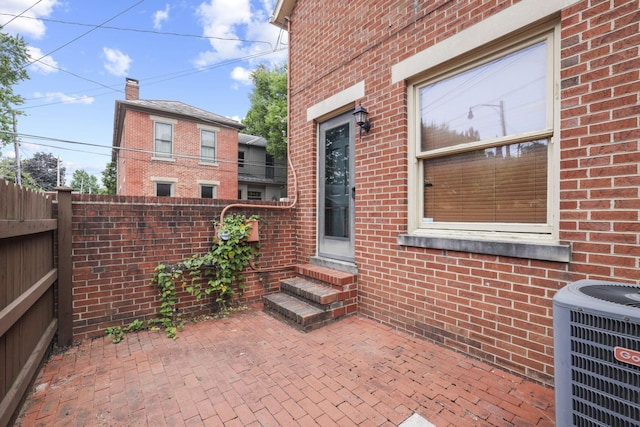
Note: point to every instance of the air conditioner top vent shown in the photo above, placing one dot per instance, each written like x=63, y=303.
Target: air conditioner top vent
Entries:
x=618, y=293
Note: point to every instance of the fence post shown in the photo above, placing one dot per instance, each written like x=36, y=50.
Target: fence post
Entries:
x=65, y=278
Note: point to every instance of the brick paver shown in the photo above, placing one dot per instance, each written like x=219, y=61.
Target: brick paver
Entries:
x=251, y=369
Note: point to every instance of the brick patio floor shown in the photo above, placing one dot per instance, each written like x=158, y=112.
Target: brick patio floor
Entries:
x=252, y=370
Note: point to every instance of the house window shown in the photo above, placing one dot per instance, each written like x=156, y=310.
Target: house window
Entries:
x=254, y=195
x=163, y=146
x=208, y=191
x=269, y=166
x=164, y=189
x=484, y=144
x=207, y=145
x=240, y=159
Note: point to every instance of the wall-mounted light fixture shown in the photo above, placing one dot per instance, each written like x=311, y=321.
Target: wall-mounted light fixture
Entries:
x=361, y=114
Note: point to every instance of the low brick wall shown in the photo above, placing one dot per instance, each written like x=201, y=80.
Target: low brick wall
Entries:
x=119, y=240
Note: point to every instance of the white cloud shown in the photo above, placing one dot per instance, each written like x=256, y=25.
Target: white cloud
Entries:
x=26, y=25
x=117, y=63
x=160, y=16
x=238, y=31
x=67, y=99
x=241, y=75
x=39, y=64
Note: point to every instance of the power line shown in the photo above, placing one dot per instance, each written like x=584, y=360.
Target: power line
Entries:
x=149, y=81
x=35, y=139
x=137, y=30
x=20, y=14
x=87, y=32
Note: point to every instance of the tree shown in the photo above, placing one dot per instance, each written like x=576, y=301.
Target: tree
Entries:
x=109, y=179
x=8, y=173
x=13, y=60
x=84, y=183
x=43, y=168
x=267, y=116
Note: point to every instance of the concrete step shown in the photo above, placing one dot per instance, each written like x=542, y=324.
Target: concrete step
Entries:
x=306, y=290
x=299, y=313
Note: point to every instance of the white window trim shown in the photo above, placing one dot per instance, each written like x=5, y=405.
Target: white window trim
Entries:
x=215, y=130
x=162, y=120
x=164, y=180
x=215, y=184
x=537, y=242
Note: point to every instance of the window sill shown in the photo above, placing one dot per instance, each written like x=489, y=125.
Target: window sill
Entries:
x=538, y=250
x=207, y=163
x=164, y=159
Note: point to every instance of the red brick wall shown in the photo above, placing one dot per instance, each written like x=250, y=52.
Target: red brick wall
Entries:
x=496, y=308
x=118, y=241
x=136, y=168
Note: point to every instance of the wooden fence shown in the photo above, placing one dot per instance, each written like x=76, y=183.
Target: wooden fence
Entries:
x=29, y=317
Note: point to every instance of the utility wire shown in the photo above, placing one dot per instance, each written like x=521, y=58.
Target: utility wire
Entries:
x=156, y=79
x=20, y=14
x=87, y=32
x=137, y=30
x=38, y=138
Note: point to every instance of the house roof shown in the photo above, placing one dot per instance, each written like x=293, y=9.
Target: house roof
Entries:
x=282, y=11
x=173, y=109
x=181, y=109
x=257, y=141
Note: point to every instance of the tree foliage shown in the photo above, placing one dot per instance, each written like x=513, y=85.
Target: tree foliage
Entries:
x=8, y=173
x=13, y=60
x=267, y=116
x=84, y=182
x=109, y=179
x=43, y=168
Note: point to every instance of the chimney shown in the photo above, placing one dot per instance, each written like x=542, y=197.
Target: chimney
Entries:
x=131, y=90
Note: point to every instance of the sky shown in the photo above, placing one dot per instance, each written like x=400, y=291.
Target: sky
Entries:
x=199, y=52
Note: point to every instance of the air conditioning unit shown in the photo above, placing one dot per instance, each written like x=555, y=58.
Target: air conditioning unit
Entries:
x=596, y=326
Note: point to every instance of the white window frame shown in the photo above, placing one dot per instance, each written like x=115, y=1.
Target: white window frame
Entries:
x=213, y=184
x=156, y=154
x=488, y=231
x=215, y=131
x=164, y=180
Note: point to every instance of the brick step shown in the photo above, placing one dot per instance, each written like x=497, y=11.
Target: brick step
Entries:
x=329, y=276
x=299, y=313
x=306, y=290
x=314, y=297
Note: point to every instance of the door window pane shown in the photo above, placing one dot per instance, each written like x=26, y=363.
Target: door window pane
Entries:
x=337, y=186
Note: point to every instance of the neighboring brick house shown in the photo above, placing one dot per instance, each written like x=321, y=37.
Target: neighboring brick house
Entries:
x=502, y=161
x=167, y=148
x=260, y=175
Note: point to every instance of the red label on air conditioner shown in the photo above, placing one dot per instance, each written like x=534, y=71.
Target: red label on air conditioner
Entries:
x=627, y=356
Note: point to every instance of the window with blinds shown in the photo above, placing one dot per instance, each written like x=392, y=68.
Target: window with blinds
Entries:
x=207, y=145
x=163, y=146
x=484, y=141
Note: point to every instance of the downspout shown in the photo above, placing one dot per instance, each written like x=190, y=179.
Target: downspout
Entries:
x=294, y=201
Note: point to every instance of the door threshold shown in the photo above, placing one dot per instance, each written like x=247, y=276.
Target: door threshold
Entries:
x=346, y=266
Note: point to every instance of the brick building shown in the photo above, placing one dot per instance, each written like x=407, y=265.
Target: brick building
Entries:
x=167, y=148
x=501, y=163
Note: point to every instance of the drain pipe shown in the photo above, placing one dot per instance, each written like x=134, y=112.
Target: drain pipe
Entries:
x=289, y=162
x=294, y=201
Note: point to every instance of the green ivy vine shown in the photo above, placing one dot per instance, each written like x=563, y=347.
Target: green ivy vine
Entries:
x=215, y=273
